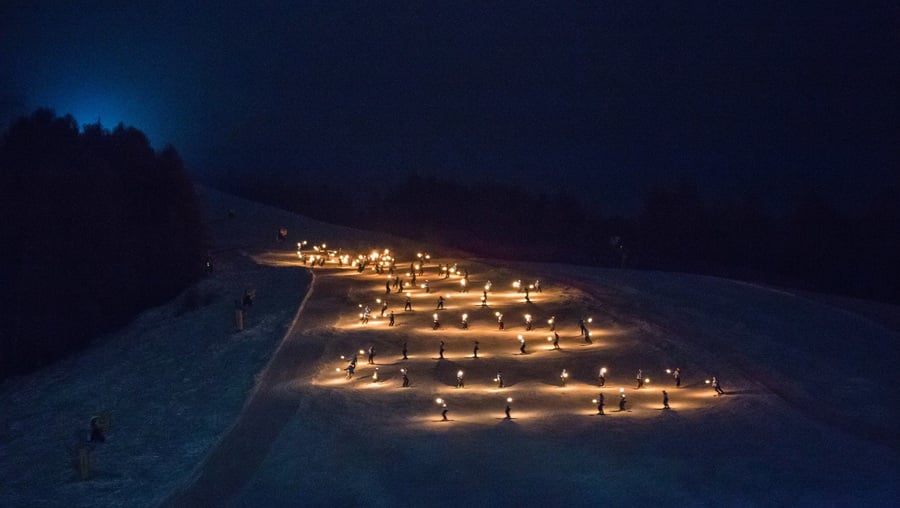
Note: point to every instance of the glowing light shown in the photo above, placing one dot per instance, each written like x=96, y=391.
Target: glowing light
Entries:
x=434, y=316
x=594, y=401
x=707, y=381
x=621, y=390
x=459, y=374
x=590, y=320
x=668, y=371
x=647, y=380
x=521, y=339
x=603, y=370
x=362, y=352
x=465, y=316
x=439, y=400
x=338, y=369
x=497, y=313
x=509, y=399
x=549, y=339
x=378, y=300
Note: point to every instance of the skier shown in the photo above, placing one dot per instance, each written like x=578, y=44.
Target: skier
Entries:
x=556, y=341
x=441, y=351
x=665, y=400
x=465, y=321
x=499, y=379
x=528, y=323
x=584, y=329
x=387, y=287
x=508, y=407
x=371, y=355
x=640, y=379
x=500, y=320
x=391, y=319
x=405, y=378
x=522, y=346
x=459, y=380
x=404, y=351
x=97, y=435
x=408, y=305
x=440, y=304
x=622, y=403
x=351, y=369
x=427, y=287
x=600, y=404
x=602, y=376
x=437, y=324
x=527, y=300
x=563, y=377
x=444, y=413
x=716, y=386
x=475, y=350
x=383, y=307
x=677, y=375
x=552, y=323
x=537, y=285
x=375, y=375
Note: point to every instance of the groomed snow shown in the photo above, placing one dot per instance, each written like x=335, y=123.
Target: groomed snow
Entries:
x=808, y=418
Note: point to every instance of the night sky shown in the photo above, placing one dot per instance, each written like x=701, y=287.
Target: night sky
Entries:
x=603, y=99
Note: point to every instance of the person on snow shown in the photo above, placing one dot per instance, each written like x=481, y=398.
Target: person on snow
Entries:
x=97, y=435
x=391, y=319
x=716, y=386
x=475, y=350
x=441, y=351
x=622, y=403
x=405, y=378
x=556, y=341
x=600, y=404
x=500, y=321
x=371, y=355
x=522, y=346
x=499, y=379
x=665, y=399
x=404, y=351
x=602, y=377
x=640, y=379
x=459, y=380
x=563, y=377
x=444, y=413
x=408, y=305
x=384, y=307
x=677, y=375
x=440, y=304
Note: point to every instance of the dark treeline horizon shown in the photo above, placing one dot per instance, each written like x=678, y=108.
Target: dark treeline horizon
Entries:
x=811, y=244
x=97, y=226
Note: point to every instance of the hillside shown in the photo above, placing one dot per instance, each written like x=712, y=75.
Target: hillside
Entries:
x=802, y=422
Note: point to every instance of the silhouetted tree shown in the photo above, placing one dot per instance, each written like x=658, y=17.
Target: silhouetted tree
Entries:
x=96, y=226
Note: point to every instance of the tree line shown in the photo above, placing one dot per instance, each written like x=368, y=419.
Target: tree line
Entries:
x=96, y=226
x=811, y=245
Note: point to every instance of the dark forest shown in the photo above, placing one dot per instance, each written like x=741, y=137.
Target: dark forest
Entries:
x=812, y=245
x=96, y=227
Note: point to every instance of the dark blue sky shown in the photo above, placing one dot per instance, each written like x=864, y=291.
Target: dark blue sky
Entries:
x=603, y=99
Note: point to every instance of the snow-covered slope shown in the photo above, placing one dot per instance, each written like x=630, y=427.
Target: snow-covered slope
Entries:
x=808, y=420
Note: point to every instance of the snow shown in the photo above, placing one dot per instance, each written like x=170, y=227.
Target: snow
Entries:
x=809, y=417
